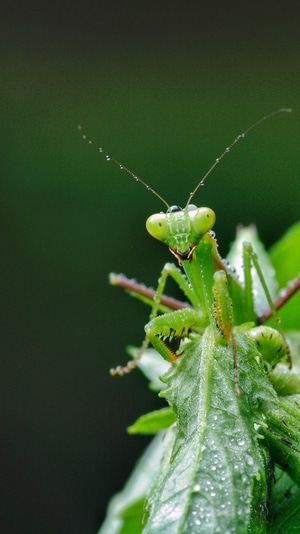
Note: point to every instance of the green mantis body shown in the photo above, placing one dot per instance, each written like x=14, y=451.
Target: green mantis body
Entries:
x=216, y=295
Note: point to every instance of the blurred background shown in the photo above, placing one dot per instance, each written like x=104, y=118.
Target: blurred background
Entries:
x=164, y=87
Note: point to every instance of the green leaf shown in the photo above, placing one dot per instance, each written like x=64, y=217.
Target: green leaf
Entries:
x=235, y=257
x=284, y=507
x=282, y=433
x=126, y=509
x=215, y=476
x=152, y=366
x=152, y=422
x=285, y=256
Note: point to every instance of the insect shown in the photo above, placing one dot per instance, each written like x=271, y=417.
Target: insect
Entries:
x=215, y=294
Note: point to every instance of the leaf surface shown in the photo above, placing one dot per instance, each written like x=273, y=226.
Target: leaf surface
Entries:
x=214, y=477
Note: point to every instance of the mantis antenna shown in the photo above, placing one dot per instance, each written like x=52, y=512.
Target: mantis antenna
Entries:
x=238, y=138
x=108, y=157
x=122, y=167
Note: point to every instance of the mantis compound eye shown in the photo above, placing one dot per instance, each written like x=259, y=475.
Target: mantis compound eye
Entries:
x=202, y=220
x=157, y=226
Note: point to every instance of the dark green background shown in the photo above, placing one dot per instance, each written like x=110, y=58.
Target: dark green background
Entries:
x=164, y=86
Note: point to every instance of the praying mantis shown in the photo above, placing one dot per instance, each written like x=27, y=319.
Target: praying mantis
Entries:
x=209, y=283
x=220, y=323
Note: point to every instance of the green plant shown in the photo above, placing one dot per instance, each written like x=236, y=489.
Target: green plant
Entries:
x=227, y=462
x=228, y=446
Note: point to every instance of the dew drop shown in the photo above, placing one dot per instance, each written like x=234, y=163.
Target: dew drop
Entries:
x=217, y=160
x=100, y=149
x=249, y=459
x=107, y=157
x=227, y=149
x=241, y=442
